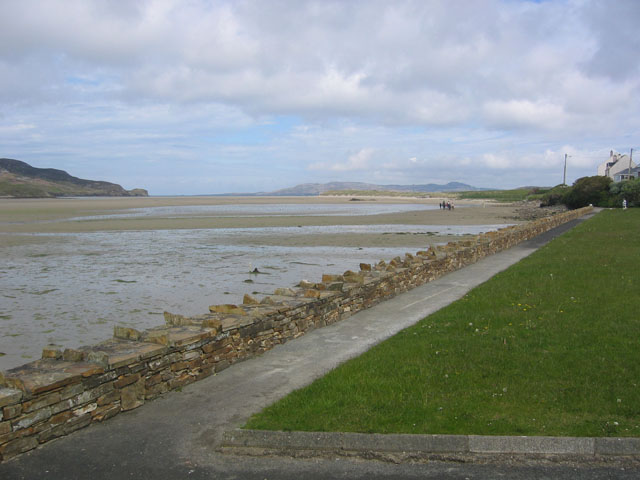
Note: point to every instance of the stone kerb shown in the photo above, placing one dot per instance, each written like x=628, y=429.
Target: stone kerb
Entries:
x=69, y=389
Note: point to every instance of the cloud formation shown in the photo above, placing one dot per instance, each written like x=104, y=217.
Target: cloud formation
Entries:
x=296, y=87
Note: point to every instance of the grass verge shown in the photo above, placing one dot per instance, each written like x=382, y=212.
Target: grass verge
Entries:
x=514, y=195
x=551, y=346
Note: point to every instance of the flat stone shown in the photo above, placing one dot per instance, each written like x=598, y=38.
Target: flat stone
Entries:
x=352, y=442
x=329, y=278
x=52, y=351
x=119, y=353
x=26, y=421
x=126, y=333
x=9, y=396
x=285, y=292
x=617, y=446
x=132, y=396
x=232, y=322
x=227, y=309
x=73, y=355
x=180, y=336
x=312, y=293
x=17, y=446
x=249, y=300
x=47, y=374
x=527, y=445
x=175, y=320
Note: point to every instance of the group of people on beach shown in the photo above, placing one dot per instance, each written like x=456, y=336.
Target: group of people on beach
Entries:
x=446, y=205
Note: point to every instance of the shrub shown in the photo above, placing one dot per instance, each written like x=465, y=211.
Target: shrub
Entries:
x=628, y=190
x=588, y=190
x=555, y=196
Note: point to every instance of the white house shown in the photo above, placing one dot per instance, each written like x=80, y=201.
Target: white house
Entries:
x=625, y=175
x=615, y=166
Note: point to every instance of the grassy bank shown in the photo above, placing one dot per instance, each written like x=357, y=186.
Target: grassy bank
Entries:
x=549, y=347
x=507, y=196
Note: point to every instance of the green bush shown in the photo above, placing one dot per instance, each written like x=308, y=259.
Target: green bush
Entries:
x=589, y=190
x=628, y=190
x=555, y=196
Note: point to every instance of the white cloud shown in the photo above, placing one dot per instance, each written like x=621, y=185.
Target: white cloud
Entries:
x=525, y=113
x=496, y=161
x=358, y=161
x=500, y=85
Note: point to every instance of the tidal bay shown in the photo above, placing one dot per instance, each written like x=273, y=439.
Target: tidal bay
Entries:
x=69, y=277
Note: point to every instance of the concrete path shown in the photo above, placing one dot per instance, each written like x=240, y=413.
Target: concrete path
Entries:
x=175, y=436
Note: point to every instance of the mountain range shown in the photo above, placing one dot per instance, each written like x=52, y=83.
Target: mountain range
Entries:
x=20, y=180
x=320, y=188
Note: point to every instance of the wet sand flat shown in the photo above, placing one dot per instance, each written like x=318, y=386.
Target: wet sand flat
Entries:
x=86, y=215
x=72, y=268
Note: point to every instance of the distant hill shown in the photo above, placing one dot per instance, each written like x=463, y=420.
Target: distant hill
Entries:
x=320, y=188
x=20, y=180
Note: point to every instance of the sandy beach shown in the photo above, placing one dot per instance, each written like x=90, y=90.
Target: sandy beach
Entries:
x=74, y=215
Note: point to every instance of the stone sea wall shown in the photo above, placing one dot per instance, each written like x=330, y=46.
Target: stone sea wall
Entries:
x=69, y=389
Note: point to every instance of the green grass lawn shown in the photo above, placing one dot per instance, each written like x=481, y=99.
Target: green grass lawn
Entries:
x=514, y=195
x=549, y=347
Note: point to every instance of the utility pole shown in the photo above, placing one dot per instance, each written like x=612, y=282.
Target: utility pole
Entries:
x=630, y=157
x=564, y=177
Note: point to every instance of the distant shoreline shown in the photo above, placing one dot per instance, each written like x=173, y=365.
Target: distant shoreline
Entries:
x=26, y=216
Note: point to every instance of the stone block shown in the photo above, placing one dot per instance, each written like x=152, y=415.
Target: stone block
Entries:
x=126, y=380
x=52, y=351
x=222, y=365
x=365, y=267
x=617, y=446
x=77, y=423
x=249, y=300
x=109, y=398
x=285, y=292
x=9, y=396
x=267, y=301
x=211, y=323
x=41, y=402
x=95, y=381
x=78, y=412
x=105, y=412
x=17, y=446
x=25, y=421
x=227, y=309
x=73, y=355
x=529, y=445
x=328, y=278
x=181, y=381
x=156, y=390
x=175, y=320
x=120, y=353
x=132, y=396
x=45, y=375
x=354, y=277
x=11, y=411
x=126, y=333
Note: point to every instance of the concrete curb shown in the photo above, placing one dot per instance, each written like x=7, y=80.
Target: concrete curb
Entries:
x=258, y=442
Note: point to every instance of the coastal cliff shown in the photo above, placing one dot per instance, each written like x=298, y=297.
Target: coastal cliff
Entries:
x=20, y=180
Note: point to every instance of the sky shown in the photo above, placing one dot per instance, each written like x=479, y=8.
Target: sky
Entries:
x=202, y=96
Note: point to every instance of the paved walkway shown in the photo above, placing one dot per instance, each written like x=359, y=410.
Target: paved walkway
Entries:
x=175, y=436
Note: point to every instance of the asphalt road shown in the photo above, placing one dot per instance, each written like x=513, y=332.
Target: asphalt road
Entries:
x=176, y=435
